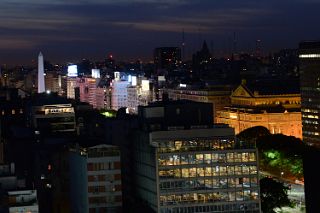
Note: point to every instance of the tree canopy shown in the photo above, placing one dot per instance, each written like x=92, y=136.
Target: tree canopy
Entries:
x=253, y=133
x=274, y=194
x=278, y=154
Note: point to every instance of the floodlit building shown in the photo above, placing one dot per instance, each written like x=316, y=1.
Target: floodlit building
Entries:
x=119, y=93
x=91, y=93
x=183, y=163
x=309, y=56
x=139, y=94
x=104, y=179
x=72, y=81
x=276, y=108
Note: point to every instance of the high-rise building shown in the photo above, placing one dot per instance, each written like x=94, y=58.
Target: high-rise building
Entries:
x=91, y=93
x=139, y=94
x=183, y=163
x=309, y=56
x=71, y=85
x=53, y=82
x=167, y=58
x=119, y=92
x=104, y=179
x=41, y=86
x=69, y=180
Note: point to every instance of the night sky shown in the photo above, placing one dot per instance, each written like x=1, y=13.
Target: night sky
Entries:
x=68, y=30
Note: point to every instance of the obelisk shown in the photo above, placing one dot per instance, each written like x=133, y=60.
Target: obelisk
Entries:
x=41, y=86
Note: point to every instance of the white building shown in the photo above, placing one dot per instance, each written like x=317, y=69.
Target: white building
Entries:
x=119, y=94
x=139, y=95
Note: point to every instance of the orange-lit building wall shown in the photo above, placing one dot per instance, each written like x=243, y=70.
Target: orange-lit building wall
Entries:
x=287, y=123
x=280, y=113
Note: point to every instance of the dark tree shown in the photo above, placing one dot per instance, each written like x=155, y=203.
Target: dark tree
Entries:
x=287, y=144
x=274, y=194
x=252, y=134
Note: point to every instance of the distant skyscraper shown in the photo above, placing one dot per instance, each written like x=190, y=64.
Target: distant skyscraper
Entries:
x=309, y=55
x=41, y=87
x=167, y=57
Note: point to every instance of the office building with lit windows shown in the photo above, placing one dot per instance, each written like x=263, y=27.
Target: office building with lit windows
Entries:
x=309, y=58
x=184, y=163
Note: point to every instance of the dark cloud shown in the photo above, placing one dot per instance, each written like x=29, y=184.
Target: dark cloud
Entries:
x=73, y=29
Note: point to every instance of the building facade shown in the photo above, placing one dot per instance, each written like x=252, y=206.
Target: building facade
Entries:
x=69, y=180
x=91, y=93
x=280, y=113
x=119, y=94
x=192, y=166
x=23, y=201
x=139, y=95
x=219, y=97
x=71, y=85
x=104, y=179
x=51, y=113
x=167, y=58
x=53, y=82
x=309, y=56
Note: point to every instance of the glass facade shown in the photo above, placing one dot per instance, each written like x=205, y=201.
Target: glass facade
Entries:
x=310, y=91
x=207, y=175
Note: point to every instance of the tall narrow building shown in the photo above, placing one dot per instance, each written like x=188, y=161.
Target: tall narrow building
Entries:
x=41, y=87
x=309, y=57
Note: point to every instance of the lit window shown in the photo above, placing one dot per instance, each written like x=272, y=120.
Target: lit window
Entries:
x=309, y=56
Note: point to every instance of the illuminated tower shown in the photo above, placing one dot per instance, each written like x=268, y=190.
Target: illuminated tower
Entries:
x=41, y=87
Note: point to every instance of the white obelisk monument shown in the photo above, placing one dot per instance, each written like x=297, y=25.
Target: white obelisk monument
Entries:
x=41, y=86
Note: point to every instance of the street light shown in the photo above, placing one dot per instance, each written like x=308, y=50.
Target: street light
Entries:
x=282, y=174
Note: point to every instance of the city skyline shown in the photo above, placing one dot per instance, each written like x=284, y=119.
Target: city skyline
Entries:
x=68, y=31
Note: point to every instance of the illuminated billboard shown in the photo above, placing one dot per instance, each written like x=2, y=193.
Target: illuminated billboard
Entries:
x=117, y=76
x=134, y=81
x=95, y=73
x=72, y=71
x=161, y=78
x=145, y=85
